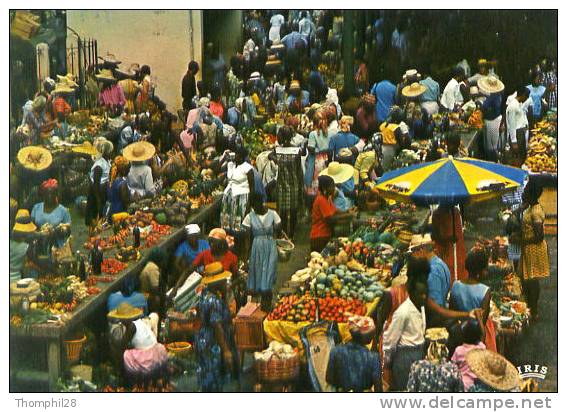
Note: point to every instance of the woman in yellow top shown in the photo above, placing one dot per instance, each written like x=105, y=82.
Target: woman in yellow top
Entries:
x=395, y=134
x=534, y=258
x=130, y=87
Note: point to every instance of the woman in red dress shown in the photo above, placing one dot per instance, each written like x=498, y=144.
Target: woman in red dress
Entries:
x=447, y=229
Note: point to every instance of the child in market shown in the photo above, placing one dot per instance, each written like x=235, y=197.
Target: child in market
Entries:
x=472, y=333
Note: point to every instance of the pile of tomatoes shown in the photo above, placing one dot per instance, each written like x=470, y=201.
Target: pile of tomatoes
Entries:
x=93, y=280
x=158, y=231
x=112, y=266
x=303, y=308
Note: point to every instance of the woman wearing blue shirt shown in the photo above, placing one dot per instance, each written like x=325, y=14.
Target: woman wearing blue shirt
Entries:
x=344, y=139
x=537, y=90
x=188, y=250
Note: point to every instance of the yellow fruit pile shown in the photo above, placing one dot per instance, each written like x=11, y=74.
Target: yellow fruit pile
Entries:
x=542, y=163
x=541, y=154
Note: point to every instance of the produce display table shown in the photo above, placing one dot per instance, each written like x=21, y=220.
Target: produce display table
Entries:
x=51, y=335
x=288, y=332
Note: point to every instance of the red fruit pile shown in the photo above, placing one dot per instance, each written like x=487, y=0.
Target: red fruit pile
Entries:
x=302, y=308
x=112, y=266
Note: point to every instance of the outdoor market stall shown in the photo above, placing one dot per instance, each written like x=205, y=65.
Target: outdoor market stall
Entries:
x=50, y=335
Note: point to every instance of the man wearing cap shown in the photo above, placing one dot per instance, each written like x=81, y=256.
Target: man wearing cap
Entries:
x=438, y=283
x=188, y=250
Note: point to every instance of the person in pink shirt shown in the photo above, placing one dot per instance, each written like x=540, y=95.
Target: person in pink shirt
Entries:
x=111, y=95
x=472, y=339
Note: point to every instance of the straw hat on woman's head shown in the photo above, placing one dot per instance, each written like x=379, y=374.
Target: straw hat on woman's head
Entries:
x=63, y=88
x=490, y=84
x=125, y=311
x=139, y=151
x=85, y=148
x=24, y=223
x=110, y=59
x=295, y=85
x=339, y=172
x=105, y=75
x=68, y=80
x=214, y=273
x=414, y=90
x=35, y=158
x=493, y=369
x=218, y=233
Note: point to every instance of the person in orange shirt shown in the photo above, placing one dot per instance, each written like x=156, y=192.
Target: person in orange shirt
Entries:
x=325, y=215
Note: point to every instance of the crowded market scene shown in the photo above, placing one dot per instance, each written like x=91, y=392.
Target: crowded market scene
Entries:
x=283, y=201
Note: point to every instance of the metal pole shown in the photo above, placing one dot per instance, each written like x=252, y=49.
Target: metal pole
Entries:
x=79, y=48
x=96, y=53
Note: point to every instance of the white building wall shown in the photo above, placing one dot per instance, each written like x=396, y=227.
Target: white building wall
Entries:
x=158, y=38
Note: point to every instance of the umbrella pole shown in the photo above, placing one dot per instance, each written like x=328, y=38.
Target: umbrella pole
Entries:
x=454, y=245
x=455, y=261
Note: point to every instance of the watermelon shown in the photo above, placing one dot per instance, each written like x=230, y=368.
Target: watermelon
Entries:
x=161, y=218
x=368, y=296
x=387, y=238
x=321, y=278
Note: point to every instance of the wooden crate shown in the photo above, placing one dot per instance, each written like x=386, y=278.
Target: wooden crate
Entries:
x=249, y=331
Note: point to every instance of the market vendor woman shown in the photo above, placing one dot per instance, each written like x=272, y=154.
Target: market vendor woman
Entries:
x=51, y=212
x=325, y=215
x=190, y=248
x=133, y=340
x=218, y=252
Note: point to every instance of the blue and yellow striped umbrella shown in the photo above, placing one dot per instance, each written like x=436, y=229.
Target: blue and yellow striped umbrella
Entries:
x=449, y=181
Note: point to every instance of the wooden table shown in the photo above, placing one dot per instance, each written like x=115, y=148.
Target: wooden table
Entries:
x=50, y=336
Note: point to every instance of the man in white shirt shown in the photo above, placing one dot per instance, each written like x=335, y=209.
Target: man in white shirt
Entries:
x=405, y=336
x=517, y=106
x=452, y=93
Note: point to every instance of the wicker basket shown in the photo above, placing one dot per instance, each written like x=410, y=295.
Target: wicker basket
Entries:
x=285, y=247
x=277, y=369
x=73, y=349
x=179, y=348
